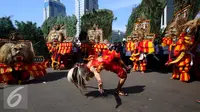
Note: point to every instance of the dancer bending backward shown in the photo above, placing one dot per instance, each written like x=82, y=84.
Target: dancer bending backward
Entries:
x=110, y=61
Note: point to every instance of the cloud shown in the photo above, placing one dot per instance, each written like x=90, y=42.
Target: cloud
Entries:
x=119, y=4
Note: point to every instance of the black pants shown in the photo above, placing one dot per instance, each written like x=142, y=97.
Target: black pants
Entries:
x=75, y=57
x=122, y=56
x=127, y=60
x=165, y=59
x=150, y=61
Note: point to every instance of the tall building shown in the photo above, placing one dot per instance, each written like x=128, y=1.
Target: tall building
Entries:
x=168, y=13
x=81, y=7
x=53, y=8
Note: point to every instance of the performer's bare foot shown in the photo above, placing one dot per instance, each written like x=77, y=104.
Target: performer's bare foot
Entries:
x=101, y=88
x=119, y=87
x=121, y=93
x=142, y=72
x=198, y=101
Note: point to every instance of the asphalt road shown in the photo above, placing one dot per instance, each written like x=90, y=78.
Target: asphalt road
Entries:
x=149, y=92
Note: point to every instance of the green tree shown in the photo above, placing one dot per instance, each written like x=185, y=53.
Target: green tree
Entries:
x=48, y=24
x=68, y=21
x=148, y=9
x=6, y=27
x=103, y=18
x=30, y=31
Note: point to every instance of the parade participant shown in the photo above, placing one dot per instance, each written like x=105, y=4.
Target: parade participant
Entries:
x=75, y=51
x=110, y=61
x=59, y=46
x=135, y=56
x=182, y=58
x=127, y=56
x=138, y=56
x=83, y=38
x=18, y=64
x=123, y=55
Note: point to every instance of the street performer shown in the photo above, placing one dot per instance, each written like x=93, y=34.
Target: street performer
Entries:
x=110, y=61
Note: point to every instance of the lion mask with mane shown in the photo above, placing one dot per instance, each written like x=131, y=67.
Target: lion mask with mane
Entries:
x=19, y=52
x=57, y=34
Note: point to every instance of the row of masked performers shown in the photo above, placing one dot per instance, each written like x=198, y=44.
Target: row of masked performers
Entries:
x=61, y=52
x=180, y=38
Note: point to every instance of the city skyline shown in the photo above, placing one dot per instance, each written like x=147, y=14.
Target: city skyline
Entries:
x=33, y=10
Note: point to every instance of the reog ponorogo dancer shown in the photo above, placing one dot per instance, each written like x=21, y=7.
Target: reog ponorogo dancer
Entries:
x=110, y=61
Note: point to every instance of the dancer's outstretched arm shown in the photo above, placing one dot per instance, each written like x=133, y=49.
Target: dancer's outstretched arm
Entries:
x=98, y=78
x=123, y=65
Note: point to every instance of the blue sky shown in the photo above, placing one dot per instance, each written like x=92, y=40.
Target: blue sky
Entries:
x=32, y=10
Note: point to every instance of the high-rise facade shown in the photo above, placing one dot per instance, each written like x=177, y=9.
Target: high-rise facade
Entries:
x=53, y=8
x=81, y=7
x=167, y=14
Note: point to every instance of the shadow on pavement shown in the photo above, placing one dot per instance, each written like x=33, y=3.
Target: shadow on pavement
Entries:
x=108, y=92
x=49, y=77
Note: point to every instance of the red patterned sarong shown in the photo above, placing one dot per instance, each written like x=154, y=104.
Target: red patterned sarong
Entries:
x=111, y=63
